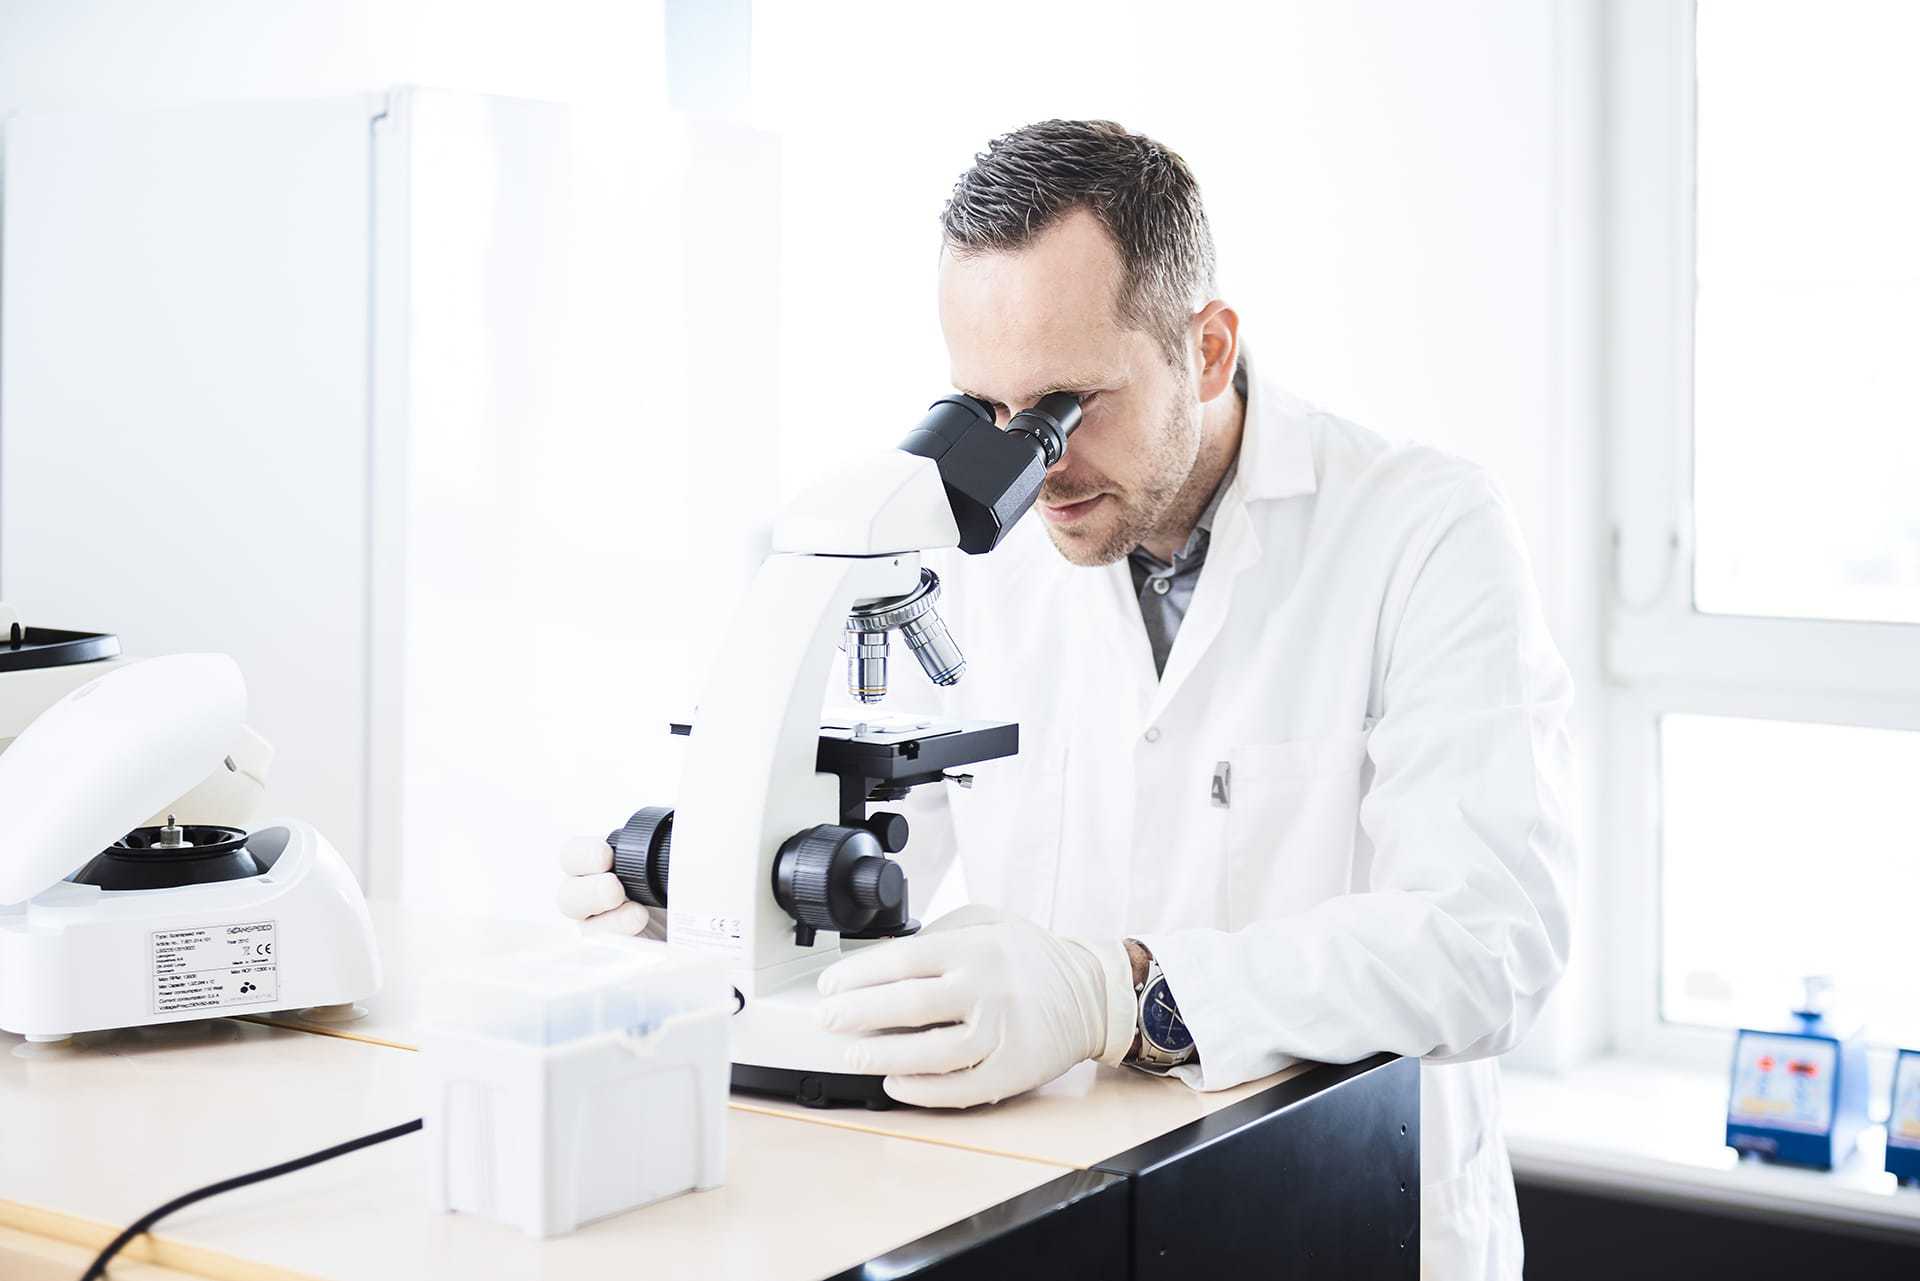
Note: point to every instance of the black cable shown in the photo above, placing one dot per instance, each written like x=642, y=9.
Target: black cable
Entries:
x=97, y=1271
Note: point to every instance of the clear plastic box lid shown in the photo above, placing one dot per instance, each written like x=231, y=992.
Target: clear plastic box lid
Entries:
x=583, y=988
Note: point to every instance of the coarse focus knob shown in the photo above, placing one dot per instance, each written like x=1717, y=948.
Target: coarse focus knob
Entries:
x=834, y=878
x=641, y=853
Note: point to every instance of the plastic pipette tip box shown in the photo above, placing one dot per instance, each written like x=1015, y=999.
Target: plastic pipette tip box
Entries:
x=576, y=1082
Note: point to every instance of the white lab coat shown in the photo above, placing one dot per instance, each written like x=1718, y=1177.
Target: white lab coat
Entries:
x=1365, y=669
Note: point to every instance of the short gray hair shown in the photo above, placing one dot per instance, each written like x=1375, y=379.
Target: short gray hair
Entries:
x=1142, y=193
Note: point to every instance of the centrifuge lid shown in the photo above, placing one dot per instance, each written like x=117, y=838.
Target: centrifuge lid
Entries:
x=96, y=764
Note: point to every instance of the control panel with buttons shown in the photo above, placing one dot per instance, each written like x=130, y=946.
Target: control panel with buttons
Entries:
x=1798, y=1097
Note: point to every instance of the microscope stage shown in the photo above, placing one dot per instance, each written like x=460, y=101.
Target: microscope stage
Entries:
x=902, y=749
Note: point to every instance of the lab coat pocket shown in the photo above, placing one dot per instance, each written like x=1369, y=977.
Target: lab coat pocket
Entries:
x=1008, y=825
x=1292, y=811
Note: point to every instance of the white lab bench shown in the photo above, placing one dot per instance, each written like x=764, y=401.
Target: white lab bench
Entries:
x=102, y=1129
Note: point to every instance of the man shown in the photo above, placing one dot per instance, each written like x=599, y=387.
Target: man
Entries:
x=1293, y=745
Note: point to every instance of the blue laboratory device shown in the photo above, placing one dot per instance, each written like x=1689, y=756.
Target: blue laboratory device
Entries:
x=1903, y=1122
x=1800, y=1094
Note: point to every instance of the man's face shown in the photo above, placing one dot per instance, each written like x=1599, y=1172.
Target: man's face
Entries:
x=1019, y=325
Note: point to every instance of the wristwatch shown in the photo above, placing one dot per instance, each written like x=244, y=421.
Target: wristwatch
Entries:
x=1163, y=1040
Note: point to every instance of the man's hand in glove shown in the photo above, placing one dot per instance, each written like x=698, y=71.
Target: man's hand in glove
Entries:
x=979, y=1006
x=591, y=894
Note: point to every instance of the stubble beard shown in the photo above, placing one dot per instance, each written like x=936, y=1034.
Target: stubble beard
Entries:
x=1129, y=518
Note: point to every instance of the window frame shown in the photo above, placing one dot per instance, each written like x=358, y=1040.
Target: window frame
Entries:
x=1661, y=654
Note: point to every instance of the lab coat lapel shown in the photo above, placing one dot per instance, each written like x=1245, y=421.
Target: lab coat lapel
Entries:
x=1120, y=619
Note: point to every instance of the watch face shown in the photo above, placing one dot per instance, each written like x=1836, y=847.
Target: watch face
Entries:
x=1160, y=1020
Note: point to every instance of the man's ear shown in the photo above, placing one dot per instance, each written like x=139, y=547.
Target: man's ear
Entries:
x=1216, y=331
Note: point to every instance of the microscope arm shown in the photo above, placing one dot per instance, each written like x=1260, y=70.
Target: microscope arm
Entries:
x=750, y=782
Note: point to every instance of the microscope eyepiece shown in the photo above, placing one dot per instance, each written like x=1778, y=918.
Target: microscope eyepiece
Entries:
x=1049, y=422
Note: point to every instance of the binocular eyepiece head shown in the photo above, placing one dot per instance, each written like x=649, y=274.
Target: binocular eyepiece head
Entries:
x=992, y=476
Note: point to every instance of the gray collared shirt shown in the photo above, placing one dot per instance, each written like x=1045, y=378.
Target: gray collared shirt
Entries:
x=1165, y=590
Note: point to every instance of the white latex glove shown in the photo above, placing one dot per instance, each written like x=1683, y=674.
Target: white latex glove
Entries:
x=979, y=1006
x=591, y=894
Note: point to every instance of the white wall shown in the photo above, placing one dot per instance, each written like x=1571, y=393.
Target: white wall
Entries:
x=1401, y=192
x=127, y=53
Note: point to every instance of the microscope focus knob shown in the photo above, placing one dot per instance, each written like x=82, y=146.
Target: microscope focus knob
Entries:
x=642, y=851
x=879, y=883
x=835, y=878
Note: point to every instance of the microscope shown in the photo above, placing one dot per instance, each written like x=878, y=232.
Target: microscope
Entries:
x=772, y=861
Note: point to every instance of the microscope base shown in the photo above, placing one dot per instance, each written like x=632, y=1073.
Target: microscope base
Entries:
x=779, y=1048
x=813, y=1089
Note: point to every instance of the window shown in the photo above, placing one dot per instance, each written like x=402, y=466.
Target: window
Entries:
x=1807, y=311
x=1787, y=849
x=1764, y=486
